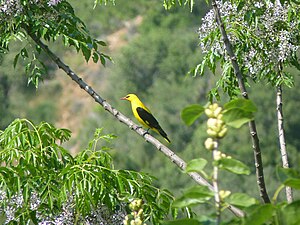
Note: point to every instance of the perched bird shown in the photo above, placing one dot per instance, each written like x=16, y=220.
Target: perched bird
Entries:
x=144, y=116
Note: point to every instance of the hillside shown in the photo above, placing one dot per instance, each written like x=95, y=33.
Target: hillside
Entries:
x=73, y=104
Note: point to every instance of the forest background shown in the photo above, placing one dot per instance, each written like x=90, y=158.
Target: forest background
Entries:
x=152, y=50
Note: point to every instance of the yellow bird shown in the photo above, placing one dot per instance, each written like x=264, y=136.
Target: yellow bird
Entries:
x=144, y=116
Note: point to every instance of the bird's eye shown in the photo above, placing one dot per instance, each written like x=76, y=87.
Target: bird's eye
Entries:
x=127, y=96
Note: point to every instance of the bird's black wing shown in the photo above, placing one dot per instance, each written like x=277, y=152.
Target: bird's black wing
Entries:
x=147, y=117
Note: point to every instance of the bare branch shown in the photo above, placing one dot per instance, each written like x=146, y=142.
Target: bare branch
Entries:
x=282, y=143
x=252, y=125
x=122, y=118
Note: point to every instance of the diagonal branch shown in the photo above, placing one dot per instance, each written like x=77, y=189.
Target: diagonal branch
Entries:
x=252, y=125
x=122, y=118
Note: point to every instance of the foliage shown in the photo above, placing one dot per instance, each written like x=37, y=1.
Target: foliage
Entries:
x=264, y=37
x=103, y=2
x=236, y=112
x=256, y=213
x=48, y=20
x=191, y=113
x=143, y=62
x=169, y=3
x=48, y=180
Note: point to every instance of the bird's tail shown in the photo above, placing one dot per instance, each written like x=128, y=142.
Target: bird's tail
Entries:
x=163, y=133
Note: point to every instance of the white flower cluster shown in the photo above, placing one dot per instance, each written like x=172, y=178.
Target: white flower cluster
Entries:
x=274, y=43
x=10, y=7
x=209, y=28
x=14, y=7
x=99, y=216
x=53, y=2
x=15, y=202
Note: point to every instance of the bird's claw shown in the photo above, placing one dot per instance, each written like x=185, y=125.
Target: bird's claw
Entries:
x=146, y=132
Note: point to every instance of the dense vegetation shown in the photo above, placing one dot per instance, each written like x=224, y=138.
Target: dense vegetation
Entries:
x=154, y=63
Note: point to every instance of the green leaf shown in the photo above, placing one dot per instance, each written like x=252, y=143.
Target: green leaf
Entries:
x=241, y=200
x=291, y=213
x=193, y=196
x=237, y=118
x=101, y=43
x=232, y=165
x=240, y=5
x=289, y=177
x=182, y=222
x=285, y=173
x=196, y=165
x=191, y=113
x=194, y=71
x=238, y=112
x=86, y=52
x=187, y=202
x=95, y=57
x=240, y=103
x=102, y=60
x=16, y=59
x=293, y=183
x=260, y=214
x=33, y=217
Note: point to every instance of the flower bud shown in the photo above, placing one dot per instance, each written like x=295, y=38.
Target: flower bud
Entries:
x=223, y=132
x=125, y=221
x=140, y=212
x=212, y=133
x=217, y=155
x=214, y=106
x=220, y=116
x=217, y=111
x=138, y=203
x=209, y=144
x=212, y=123
x=223, y=194
x=209, y=112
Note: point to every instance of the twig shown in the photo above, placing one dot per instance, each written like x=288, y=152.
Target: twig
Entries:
x=282, y=143
x=122, y=118
x=252, y=125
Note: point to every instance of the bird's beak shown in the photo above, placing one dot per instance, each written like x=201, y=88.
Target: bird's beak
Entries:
x=124, y=98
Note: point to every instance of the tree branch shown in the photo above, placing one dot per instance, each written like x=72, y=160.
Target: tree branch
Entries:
x=252, y=125
x=122, y=118
x=282, y=143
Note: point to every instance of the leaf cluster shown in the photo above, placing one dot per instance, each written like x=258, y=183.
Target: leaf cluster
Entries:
x=34, y=163
x=173, y=3
x=236, y=113
x=48, y=22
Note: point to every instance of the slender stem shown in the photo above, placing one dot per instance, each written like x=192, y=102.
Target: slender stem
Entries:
x=215, y=185
x=252, y=125
x=278, y=190
x=282, y=143
x=122, y=118
x=281, y=132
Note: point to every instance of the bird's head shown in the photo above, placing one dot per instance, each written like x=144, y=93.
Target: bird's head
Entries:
x=129, y=97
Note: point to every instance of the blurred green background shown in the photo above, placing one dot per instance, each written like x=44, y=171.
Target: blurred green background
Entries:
x=152, y=51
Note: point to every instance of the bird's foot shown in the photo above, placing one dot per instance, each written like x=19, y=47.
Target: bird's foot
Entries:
x=147, y=132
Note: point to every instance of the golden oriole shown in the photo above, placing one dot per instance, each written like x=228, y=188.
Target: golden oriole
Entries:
x=144, y=116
